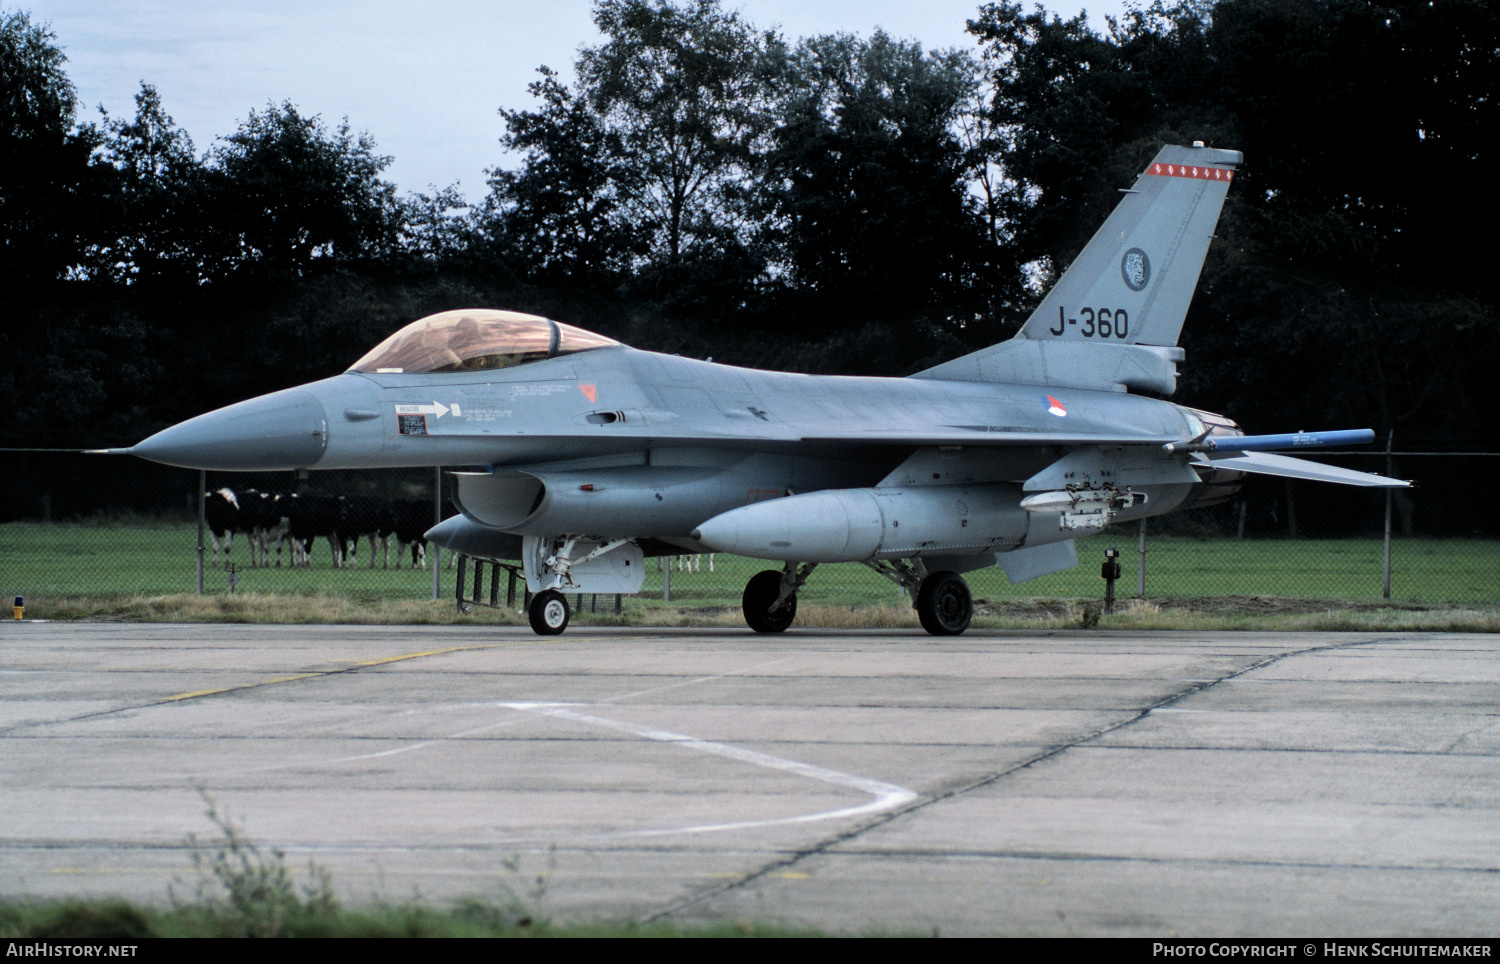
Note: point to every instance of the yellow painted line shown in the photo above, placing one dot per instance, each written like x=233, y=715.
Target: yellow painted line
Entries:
x=538, y=641
x=245, y=686
x=426, y=652
x=361, y=664
x=196, y=693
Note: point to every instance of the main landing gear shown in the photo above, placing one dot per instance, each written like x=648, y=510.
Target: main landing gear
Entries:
x=770, y=600
x=944, y=604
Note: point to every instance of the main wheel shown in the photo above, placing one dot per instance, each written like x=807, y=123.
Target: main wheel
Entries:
x=760, y=592
x=548, y=612
x=944, y=604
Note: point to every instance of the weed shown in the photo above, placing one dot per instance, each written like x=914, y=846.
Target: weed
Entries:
x=257, y=890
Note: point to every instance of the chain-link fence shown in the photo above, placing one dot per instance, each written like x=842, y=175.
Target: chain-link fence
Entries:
x=79, y=525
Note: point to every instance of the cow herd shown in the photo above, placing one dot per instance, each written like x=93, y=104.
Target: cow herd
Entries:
x=294, y=522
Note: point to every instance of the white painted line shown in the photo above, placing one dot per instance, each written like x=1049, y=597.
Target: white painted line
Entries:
x=310, y=762
x=887, y=796
x=652, y=691
x=884, y=796
x=425, y=743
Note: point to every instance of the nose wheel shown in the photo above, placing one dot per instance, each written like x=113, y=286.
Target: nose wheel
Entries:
x=944, y=604
x=548, y=612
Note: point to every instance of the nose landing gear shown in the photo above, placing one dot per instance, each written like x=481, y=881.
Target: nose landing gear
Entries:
x=548, y=613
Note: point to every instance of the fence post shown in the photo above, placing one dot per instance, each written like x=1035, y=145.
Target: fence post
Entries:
x=437, y=516
x=1385, y=584
x=1140, y=571
x=666, y=579
x=202, y=523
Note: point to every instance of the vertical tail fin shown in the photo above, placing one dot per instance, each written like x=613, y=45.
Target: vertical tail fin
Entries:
x=1144, y=262
x=1113, y=318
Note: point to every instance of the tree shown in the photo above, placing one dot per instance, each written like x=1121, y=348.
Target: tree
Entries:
x=295, y=198
x=1364, y=127
x=159, y=232
x=1071, y=112
x=684, y=93
x=437, y=229
x=867, y=184
x=1374, y=119
x=46, y=182
x=563, y=211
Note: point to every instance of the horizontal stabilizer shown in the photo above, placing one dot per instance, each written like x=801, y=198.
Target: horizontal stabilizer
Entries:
x=1264, y=463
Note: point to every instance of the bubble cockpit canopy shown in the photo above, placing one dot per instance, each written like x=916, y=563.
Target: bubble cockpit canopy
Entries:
x=475, y=340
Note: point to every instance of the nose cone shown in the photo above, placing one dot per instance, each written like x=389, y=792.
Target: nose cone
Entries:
x=283, y=430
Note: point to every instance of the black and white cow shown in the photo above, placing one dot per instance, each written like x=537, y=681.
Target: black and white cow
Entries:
x=222, y=518
x=367, y=517
x=410, y=520
x=266, y=522
x=296, y=520
x=311, y=516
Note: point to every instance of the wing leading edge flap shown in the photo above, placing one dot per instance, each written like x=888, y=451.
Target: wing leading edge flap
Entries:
x=979, y=435
x=1265, y=463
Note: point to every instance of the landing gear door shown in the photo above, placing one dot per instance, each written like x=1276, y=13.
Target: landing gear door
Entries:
x=569, y=565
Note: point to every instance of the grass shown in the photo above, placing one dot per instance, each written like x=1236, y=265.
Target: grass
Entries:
x=141, y=571
x=246, y=890
x=1194, y=613
x=120, y=920
x=79, y=559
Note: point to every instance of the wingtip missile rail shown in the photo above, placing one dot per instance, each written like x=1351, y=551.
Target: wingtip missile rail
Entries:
x=1273, y=443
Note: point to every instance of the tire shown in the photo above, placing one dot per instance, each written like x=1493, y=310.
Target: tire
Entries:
x=944, y=604
x=760, y=592
x=548, y=612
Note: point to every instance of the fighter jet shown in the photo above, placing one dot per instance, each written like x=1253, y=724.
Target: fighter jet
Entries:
x=581, y=456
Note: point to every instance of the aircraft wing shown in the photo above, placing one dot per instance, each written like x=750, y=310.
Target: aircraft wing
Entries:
x=1252, y=462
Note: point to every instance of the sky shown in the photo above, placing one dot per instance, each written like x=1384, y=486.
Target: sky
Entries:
x=425, y=79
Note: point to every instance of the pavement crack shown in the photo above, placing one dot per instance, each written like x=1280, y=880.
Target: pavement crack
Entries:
x=296, y=677
x=792, y=858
